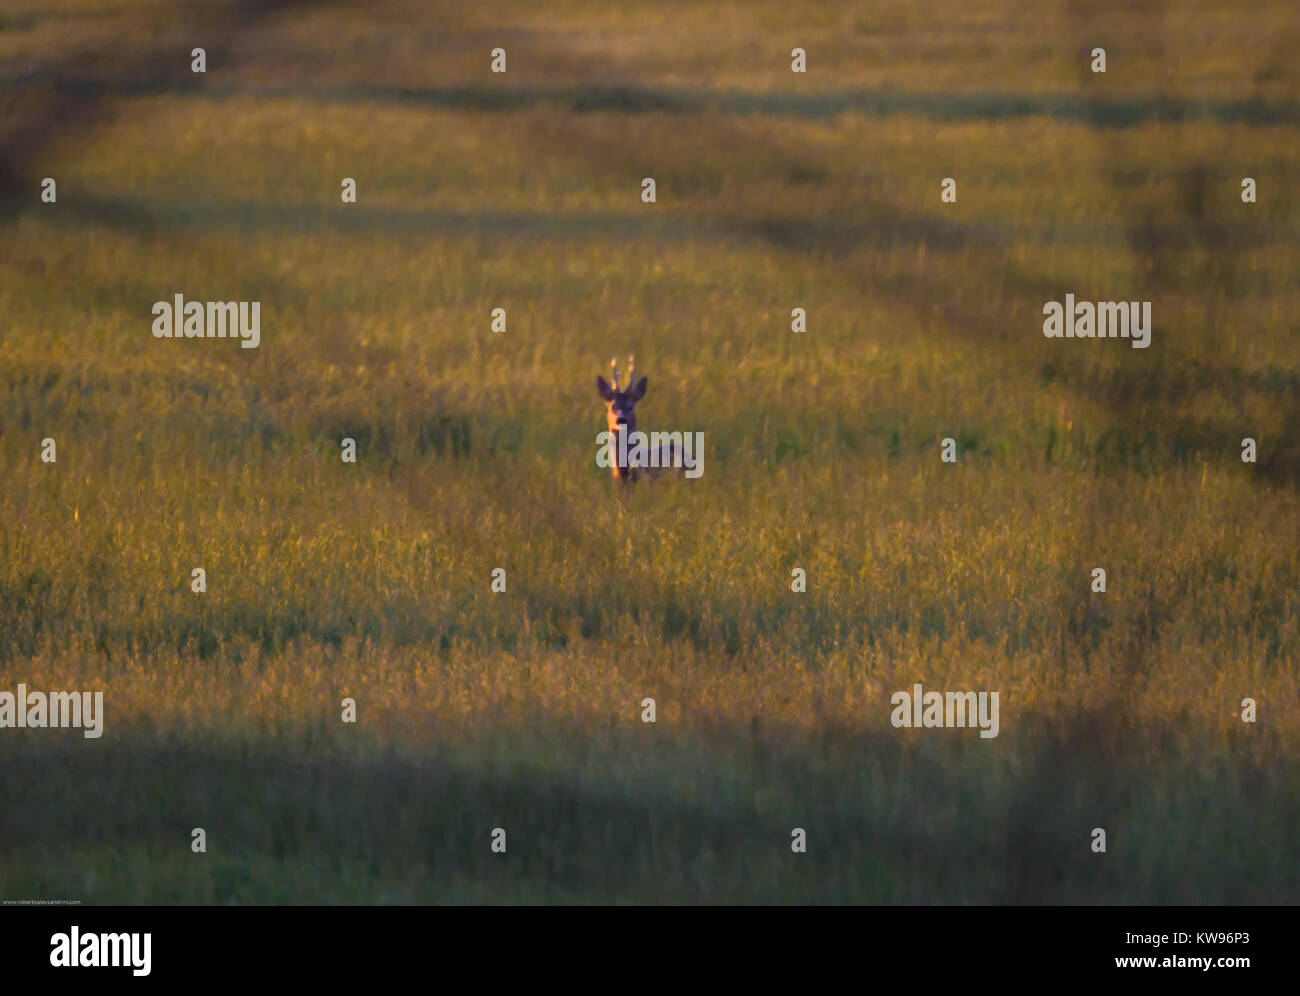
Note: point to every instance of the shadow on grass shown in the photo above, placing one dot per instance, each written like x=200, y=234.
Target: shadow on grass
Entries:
x=1119, y=112
x=891, y=818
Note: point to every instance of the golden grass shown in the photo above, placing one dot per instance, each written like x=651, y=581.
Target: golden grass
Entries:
x=822, y=451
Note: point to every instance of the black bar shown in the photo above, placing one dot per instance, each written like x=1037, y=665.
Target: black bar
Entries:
x=934, y=946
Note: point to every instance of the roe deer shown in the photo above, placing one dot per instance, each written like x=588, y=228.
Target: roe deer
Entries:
x=620, y=419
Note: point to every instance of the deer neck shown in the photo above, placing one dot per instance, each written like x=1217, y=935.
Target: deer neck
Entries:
x=620, y=468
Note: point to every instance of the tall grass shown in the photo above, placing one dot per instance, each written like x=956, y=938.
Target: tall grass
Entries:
x=523, y=710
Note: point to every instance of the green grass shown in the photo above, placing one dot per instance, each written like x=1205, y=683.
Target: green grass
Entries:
x=522, y=710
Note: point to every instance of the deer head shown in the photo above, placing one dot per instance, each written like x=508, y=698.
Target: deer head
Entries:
x=620, y=406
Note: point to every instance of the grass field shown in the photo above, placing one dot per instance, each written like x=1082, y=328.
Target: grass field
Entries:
x=476, y=450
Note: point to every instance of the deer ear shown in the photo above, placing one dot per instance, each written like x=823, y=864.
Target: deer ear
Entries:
x=602, y=388
x=638, y=392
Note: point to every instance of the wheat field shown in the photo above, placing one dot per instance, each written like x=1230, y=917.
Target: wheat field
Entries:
x=475, y=451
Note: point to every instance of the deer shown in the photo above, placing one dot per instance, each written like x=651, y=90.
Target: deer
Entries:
x=620, y=418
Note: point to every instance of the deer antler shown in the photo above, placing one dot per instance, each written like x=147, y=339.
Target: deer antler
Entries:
x=631, y=372
x=613, y=366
